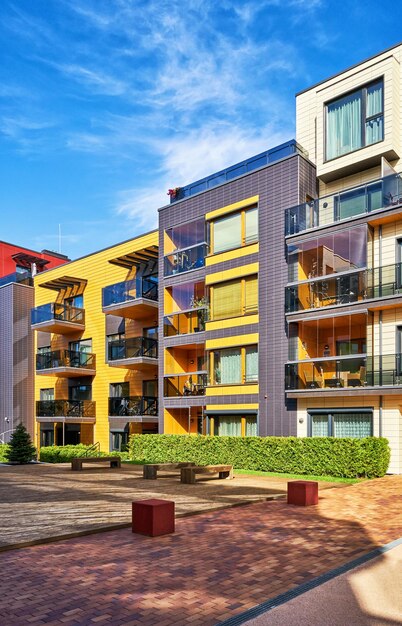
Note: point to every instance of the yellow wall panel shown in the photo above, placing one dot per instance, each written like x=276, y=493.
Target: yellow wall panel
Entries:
x=236, y=272
x=233, y=322
x=232, y=207
x=232, y=254
x=229, y=342
x=225, y=390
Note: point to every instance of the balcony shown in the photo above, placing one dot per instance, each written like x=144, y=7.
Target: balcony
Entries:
x=65, y=363
x=185, y=322
x=138, y=353
x=191, y=258
x=185, y=384
x=23, y=278
x=58, y=318
x=357, y=201
x=134, y=407
x=134, y=299
x=356, y=371
x=66, y=409
x=368, y=284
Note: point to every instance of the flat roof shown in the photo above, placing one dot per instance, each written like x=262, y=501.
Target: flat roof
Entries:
x=351, y=67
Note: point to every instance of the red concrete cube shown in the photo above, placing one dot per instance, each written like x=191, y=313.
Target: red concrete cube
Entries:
x=302, y=492
x=153, y=517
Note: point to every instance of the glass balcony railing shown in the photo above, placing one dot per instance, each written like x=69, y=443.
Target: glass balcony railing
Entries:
x=132, y=348
x=57, y=312
x=65, y=358
x=354, y=371
x=129, y=290
x=383, y=193
x=133, y=405
x=24, y=278
x=65, y=408
x=185, y=260
x=190, y=384
x=367, y=284
x=185, y=323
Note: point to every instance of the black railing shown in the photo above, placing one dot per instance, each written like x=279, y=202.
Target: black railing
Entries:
x=367, y=284
x=133, y=405
x=65, y=408
x=353, y=371
x=185, y=260
x=132, y=347
x=55, y=311
x=65, y=358
x=129, y=290
x=382, y=193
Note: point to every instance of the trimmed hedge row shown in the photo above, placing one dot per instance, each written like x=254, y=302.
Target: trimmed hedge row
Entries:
x=3, y=448
x=64, y=454
x=319, y=456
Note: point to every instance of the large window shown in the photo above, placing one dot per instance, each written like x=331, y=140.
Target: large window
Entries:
x=355, y=120
x=234, y=298
x=234, y=366
x=235, y=426
x=333, y=423
x=235, y=230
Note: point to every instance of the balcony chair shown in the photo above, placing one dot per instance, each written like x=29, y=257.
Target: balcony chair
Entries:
x=358, y=379
x=314, y=382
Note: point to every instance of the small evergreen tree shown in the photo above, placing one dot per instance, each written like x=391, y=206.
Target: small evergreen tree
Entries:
x=20, y=448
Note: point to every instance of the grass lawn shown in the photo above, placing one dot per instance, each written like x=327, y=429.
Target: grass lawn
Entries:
x=327, y=479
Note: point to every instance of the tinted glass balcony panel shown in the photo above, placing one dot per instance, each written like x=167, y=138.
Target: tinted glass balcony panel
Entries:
x=131, y=406
x=132, y=348
x=190, y=384
x=57, y=312
x=65, y=408
x=56, y=359
x=130, y=290
x=185, y=323
x=186, y=260
x=350, y=203
x=24, y=278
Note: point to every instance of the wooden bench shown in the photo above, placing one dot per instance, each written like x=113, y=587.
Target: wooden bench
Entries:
x=76, y=464
x=188, y=473
x=150, y=470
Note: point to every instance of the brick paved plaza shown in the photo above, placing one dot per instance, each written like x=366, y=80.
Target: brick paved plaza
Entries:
x=217, y=564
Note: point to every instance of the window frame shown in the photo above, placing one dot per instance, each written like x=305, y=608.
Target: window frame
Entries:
x=243, y=379
x=243, y=303
x=363, y=118
x=330, y=415
x=243, y=239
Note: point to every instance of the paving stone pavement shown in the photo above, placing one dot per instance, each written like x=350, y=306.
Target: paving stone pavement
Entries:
x=216, y=565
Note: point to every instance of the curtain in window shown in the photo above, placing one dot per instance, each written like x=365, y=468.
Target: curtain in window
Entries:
x=228, y=425
x=251, y=295
x=374, y=127
x=47, y=394
x=251, y=225
x=352, y=425
x=227, y=300
x=227, y=233
x=251, y=364
x=251, y=427
x=344, y=125
x=230, y=363
x=319, y=425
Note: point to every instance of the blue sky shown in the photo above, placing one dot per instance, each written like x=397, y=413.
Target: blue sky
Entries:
x=105, y=104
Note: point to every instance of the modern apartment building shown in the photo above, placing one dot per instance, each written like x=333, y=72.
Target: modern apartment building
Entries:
x=96, y=323
x=17, y=267
x=344, y=246
x=222, y=278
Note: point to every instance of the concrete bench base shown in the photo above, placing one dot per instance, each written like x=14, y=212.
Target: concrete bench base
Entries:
x=150, y=470
x=153, y=517
x=303, y=492
x=76, y=464
x=188, y=473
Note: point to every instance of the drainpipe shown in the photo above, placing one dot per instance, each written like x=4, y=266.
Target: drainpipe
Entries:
x=380, y=418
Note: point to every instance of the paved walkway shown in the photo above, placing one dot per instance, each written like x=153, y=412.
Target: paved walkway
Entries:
x=42, y=501
x=215, y=566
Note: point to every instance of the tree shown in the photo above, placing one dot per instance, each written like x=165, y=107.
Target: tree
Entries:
x=20, y=448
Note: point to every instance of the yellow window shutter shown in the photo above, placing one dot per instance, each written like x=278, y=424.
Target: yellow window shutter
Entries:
x=227, y=300
x=251, y=288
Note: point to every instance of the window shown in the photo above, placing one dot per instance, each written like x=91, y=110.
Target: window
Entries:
x=235, y=230
x=355, y=424
x=235, y=425
x=234, y=365
x=235, y=298
x=355, y=120
x=47, y=394
x=120, y=390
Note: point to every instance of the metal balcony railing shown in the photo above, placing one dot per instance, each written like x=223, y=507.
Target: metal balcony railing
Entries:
x=185, y=260
x=65, y=408
x=129, y=291
x=132, y=348
x=191, y=384
x=186, y=322
x=65, y=358
x=55, y=311
x=133, y=405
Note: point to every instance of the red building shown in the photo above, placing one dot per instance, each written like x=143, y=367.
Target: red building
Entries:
x=17, y=266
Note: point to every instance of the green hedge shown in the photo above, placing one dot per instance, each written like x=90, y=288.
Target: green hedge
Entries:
x=3, y=448
x=64, y=454
x=320, y=456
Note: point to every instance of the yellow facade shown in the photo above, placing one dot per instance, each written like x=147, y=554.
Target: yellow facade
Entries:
x=98, y=273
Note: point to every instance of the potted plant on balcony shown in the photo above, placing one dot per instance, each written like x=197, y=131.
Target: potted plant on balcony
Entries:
x=202, y=307
x=173, y=193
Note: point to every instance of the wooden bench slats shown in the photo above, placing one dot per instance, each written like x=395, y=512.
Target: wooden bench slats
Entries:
x=150, y=470
x=188, y=473
x=114, y=461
